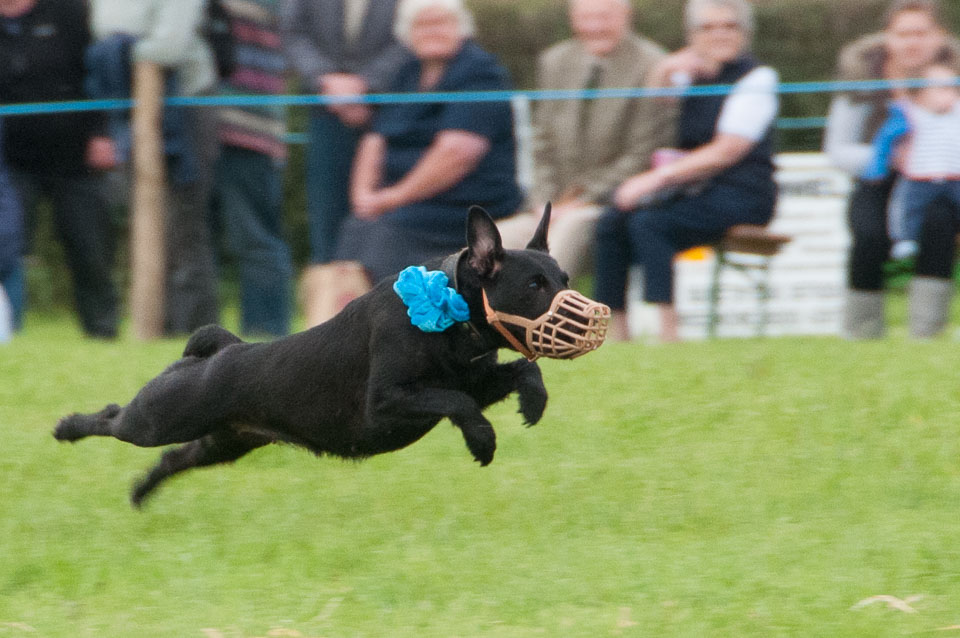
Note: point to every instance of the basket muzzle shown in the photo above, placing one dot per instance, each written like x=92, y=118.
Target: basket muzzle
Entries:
x=573, y=326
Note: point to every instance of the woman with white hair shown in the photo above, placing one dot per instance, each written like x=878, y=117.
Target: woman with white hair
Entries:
x=722, y=175
x=422, y=165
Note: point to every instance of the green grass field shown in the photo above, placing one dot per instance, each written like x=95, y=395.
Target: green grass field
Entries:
x=731, y=488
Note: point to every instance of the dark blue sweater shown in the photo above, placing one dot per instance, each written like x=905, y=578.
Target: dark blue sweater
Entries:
x=698, y=123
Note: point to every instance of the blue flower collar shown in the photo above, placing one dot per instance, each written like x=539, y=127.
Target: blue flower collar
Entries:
x=431, y=305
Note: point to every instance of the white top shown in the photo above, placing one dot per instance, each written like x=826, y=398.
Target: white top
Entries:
x=844, y=138
x=168, y=32
x=934, y=152
x=752, y=105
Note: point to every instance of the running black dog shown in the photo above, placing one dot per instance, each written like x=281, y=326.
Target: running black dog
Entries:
x=367, y=381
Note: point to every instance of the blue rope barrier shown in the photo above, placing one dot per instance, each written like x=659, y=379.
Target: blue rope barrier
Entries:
x=796, y=123
x=784, y=123
x=786, y=88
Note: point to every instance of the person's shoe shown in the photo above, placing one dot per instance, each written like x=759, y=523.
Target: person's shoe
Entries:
x=864, y=315
x=929, y=306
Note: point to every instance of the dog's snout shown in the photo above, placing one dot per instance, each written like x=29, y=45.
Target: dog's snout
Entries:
x=577, y=325
x=573, y=326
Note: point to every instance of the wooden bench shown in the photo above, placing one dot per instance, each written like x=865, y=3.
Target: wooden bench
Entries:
x=747, y=249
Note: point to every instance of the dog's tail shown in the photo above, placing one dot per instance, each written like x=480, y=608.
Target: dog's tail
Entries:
x=209, y=340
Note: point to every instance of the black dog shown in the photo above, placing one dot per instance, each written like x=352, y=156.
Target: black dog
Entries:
x=363, y=383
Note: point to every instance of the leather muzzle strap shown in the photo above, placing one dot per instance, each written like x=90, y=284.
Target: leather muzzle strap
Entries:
x=494, y=321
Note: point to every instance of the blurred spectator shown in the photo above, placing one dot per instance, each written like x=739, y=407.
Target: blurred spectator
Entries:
x=11, y=249
x=913, y=37
x=584, y=148
x=60, y=157
x=422, y=165
x=166, y=32
x=248, y=189
x=722, y=174
x=6, y=317
x=337, y=47
x=928, y=124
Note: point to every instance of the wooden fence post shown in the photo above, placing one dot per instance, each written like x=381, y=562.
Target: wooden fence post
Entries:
x=147, y=227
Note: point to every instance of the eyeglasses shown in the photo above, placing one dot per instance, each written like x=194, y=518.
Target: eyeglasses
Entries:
x=719, y=26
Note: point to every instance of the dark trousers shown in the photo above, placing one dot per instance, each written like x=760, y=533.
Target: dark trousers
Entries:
x=191, y=277
x=917, y=196
x=14, y=286
x=83, y=226
x=248, y=206
x=870, y=242
x=329, y=158
x=652, y=236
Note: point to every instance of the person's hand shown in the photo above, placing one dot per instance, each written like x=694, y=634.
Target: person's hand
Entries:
x=564, y=206
x=632, y=192
x=683, y=67
x=352, y=115
x=101, y=153
x=342, y=84
x=370, y=204
x=898, y=159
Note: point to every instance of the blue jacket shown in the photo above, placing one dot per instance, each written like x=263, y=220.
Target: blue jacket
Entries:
x=884, y=141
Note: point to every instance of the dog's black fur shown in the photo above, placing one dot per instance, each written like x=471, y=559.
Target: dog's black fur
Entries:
x=363, y=383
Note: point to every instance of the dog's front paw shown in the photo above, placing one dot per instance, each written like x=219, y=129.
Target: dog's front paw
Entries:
x=482, y=443
x=533, y=394
x=532, y=404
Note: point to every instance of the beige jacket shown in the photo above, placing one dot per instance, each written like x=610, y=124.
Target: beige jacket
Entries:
x=622, y=132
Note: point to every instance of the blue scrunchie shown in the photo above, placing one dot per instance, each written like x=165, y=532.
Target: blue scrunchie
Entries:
x=431, y=305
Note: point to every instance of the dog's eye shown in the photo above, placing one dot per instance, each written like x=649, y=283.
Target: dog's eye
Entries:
x=538, y=282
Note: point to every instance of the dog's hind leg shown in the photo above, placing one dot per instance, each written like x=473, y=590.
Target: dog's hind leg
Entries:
x=78, y=426
x=134, y=424
x=222, y=446
x=208, y=340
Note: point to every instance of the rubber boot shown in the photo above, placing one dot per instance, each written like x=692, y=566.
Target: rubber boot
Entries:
x=929, y=306
x=864, y=315
x=326, y=288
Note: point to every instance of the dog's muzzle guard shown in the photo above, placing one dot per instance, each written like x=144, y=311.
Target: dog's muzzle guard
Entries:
x=573, y=326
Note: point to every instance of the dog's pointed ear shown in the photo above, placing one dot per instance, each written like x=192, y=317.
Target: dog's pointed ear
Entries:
x=484, y=247
x=539, y=240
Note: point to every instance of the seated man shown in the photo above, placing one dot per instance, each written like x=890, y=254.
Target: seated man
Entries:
x=583, y=149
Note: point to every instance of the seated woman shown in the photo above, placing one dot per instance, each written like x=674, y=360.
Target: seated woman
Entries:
x=422, y=165
x=724, y=173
